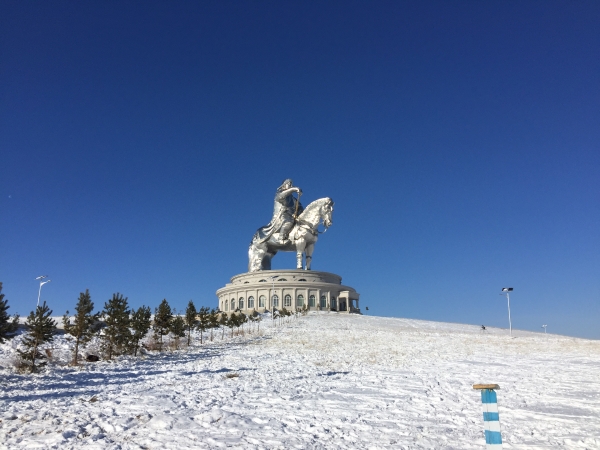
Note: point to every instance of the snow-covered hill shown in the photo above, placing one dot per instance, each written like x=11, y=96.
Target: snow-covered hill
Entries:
x=326, y=380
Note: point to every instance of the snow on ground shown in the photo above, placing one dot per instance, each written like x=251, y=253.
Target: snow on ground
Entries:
x=324, y=381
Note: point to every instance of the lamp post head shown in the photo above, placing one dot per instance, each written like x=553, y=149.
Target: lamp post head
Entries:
x=507, y=289
x=42, y=277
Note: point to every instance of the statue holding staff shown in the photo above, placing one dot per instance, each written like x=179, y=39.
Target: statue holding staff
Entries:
x=285, y=212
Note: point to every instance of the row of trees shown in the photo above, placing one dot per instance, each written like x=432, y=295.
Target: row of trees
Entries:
x=120, y=329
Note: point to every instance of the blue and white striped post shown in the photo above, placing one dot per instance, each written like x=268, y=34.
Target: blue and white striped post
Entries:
x=491, y=419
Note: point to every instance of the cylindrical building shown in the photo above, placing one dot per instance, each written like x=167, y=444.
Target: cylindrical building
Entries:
x=289, y=289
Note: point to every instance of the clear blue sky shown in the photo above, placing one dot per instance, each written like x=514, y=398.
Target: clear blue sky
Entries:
x=141, y=144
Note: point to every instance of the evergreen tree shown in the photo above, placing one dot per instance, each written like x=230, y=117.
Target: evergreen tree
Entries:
x=250, y=322
x=190, y=320
x=140, y=323
x=117, y=334
x=232, y=322
x=256, y=318
x=178, y=329
x=162, y=321
x=213, y=321
x=203, y=321
x=8, y=326
x=41, y=329
x=223, y=323
x=242, y=319
x=82, y=328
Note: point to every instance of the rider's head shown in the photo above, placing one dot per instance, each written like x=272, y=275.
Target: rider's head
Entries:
x=288, y=183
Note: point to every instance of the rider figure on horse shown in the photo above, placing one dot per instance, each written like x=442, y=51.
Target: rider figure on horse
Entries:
x=292, y=228
x=286, y=210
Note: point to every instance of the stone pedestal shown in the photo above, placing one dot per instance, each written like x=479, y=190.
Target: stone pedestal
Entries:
x=289, y=289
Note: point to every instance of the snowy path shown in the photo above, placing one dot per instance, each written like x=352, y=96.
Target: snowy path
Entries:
x=323, y=381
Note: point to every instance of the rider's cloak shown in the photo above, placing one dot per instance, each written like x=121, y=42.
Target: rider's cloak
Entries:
x=283, y=211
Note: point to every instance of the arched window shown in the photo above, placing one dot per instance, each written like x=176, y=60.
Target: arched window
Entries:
x=302, y=279
x=241, y=303
x=250, y=302
x=287, y=301
x=261, y=301
x=323, y=301
x=333, y=304
x=233, y=304
x=300, y=301
x=262, y=281
x=225, y=305
x=282, y=279
x=275, y=301
x=311, y=301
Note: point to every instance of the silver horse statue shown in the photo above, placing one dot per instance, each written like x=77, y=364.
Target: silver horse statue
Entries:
x=301, y=238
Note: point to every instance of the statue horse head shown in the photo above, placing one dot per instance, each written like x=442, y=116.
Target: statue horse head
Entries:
x=315, y=212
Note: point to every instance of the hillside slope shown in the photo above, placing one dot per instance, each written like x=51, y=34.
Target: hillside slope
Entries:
x=326, y=380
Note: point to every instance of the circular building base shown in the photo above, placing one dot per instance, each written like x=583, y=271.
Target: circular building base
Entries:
x=289, y=289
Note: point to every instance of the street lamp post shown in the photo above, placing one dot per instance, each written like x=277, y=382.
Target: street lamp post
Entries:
x=506, y=291
x=544, y=327
x=271, y=299
x=41, y=278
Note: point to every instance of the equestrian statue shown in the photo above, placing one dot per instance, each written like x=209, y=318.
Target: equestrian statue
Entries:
x=292, y=229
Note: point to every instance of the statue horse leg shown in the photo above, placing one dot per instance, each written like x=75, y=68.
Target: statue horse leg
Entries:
x=308, y=252
x=300, y=244
x=266, y=262
x=255, y=258
x=299, y=251
x=259, y=256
